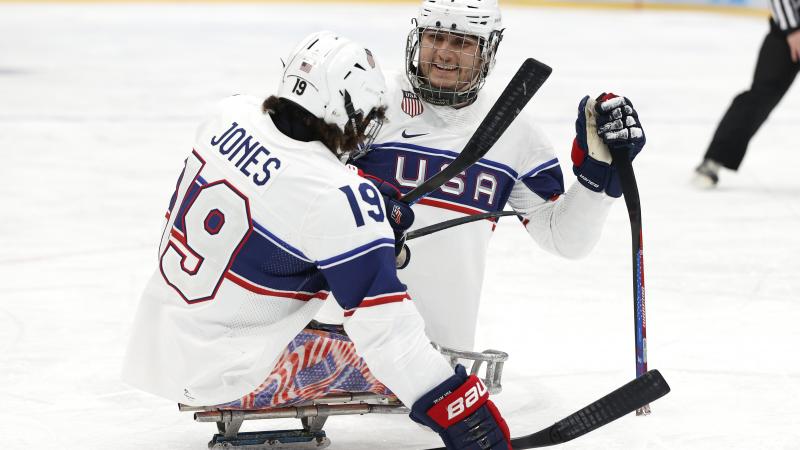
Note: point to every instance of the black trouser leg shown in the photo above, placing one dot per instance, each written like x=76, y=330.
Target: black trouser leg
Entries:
x=774, y=74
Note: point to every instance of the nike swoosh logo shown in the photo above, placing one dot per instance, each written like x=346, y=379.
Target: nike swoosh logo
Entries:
x=407, y=136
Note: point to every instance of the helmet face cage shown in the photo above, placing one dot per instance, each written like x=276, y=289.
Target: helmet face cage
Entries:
x=472, y=64
x=371, y=130
x=367, y=128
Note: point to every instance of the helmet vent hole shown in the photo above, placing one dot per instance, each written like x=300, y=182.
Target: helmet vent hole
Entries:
x=312, y=44
x=348, y=74
x=359, y=66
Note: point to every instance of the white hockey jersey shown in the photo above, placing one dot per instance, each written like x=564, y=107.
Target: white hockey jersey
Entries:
x=445, y=275
x=259, y=230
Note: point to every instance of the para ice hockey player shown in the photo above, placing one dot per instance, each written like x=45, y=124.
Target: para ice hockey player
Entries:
x=264, y=223
x=434, y=108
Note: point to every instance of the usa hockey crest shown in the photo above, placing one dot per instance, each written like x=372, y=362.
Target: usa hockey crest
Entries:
x=397, y=214
x=411, y=105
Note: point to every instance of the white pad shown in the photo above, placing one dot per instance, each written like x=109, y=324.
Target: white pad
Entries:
x=597, y=149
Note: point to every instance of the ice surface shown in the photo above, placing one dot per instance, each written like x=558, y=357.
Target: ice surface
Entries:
x=98, y=106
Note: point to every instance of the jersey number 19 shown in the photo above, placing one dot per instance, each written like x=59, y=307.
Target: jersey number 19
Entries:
x=216, y=222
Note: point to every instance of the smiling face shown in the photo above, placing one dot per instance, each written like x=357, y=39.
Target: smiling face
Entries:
x=448, y=60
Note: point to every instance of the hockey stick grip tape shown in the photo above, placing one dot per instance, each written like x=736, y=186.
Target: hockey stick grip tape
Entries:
x=628, y=398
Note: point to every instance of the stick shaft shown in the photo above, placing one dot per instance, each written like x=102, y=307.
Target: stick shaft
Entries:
x=630, y=190
x=523, y=85
x=424, y=231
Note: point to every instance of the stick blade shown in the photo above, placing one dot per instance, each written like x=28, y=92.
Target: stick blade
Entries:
x=630, y=397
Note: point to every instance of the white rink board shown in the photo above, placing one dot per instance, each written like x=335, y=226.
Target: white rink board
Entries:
x=98, y=106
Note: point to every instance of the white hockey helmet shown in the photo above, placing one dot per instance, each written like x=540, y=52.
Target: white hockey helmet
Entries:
x=336, y=80
x=477, y=18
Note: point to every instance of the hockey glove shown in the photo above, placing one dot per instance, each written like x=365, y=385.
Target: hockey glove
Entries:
x=400, y=217
x=460, y=411
x=608, y=121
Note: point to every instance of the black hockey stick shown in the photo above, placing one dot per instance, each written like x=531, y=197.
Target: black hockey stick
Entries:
x=424, y=231
x=627, y=179
x=628, y=398
x=528, y=79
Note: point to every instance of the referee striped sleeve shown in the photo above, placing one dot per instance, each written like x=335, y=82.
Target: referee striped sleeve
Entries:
x=785, y=13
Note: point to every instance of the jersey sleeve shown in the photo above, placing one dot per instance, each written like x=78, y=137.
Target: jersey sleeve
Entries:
x=786, y=15
x=541, y=172
x=348, y=236
x=567, y=224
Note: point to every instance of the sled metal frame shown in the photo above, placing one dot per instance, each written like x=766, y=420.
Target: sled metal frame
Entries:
x=312, y=414
x=493, y=359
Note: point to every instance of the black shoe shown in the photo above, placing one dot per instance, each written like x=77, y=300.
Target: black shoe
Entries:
x=706, y=175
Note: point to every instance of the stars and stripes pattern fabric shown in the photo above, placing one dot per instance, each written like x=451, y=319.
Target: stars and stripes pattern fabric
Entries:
x=315, y=363
x=786, y=13
x=411, y=104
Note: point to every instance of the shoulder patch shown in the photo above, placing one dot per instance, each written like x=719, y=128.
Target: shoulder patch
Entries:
x=411, y=104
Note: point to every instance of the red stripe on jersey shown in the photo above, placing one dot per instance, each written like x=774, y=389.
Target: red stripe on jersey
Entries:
x=450, y=206
x=256, y=289
x=457, y=208
x=178, y=236
x=376, y=301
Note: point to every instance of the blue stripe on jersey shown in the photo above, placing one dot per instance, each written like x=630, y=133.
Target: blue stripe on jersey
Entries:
x=276, y=240
x=259, y=228
x=483, y=186
x=191, y=193
x=483, y=162
x=269, y=262
x=355, y=253
x=367, y=275
x=546, y=183
x=264, y=263
x=540, y=167
x=264, y=259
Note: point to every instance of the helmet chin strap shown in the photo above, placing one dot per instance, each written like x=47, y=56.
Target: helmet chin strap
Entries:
x=352, y=114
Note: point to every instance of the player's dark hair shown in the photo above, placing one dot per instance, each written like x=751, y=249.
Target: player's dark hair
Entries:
x=296, y=122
